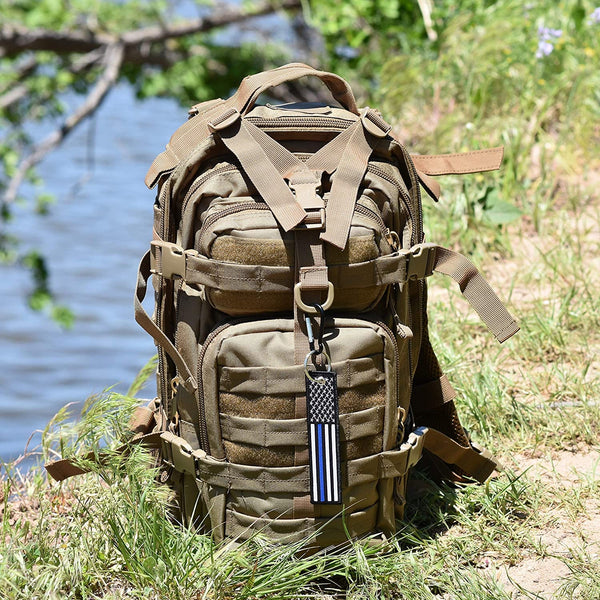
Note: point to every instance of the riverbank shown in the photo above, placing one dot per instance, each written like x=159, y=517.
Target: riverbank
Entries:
x=534, y=529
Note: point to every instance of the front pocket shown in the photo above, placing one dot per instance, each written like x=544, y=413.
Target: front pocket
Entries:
x=251, y=392
x=242, y=230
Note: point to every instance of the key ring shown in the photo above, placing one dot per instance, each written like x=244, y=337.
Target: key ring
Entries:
x=327, y=365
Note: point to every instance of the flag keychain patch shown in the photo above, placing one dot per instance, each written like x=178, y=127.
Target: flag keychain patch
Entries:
x=322, y=415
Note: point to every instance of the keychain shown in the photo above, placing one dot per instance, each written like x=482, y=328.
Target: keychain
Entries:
x=322, y=415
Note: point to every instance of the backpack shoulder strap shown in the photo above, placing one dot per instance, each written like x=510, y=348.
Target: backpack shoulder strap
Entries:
x=450, y=454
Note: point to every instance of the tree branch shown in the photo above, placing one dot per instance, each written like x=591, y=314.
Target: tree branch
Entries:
x=113, y=60
x=14, y=95
x=15, y=39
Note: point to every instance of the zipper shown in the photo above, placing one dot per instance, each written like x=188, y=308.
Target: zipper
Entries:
x=390, y=334
x=204, y=178
x=201, y=408
x=301, y=122
x=404, y=195
x=231, y=210
x=390, y=236
x=162, y=362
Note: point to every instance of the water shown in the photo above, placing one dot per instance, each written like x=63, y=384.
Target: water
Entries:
x=93, y=239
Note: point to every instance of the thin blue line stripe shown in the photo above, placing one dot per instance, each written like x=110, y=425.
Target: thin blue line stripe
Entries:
x=320, y=458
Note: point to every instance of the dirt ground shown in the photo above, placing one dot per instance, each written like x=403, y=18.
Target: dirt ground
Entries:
x=566, y=535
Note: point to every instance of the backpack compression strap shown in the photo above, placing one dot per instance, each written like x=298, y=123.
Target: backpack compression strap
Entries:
x=461, y=163
x=143, y=420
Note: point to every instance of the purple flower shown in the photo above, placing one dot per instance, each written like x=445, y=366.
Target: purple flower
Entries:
x=595, y=17
x=544, y=49
x=546, y=34
x=546, y=37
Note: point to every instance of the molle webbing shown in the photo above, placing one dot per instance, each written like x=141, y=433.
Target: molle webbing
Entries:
x=236, y=477
x=416, y=263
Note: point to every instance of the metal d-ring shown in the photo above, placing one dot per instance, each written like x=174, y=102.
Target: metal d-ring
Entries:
x=327, y=365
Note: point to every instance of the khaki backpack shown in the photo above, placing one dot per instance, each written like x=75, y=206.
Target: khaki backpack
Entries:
x=297, y=385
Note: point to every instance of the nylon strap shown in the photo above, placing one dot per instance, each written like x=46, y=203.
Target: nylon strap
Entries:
x=431, y=395
x=254, y=85
x=261, y=171
x=345, y=186
x=384, y=465
x=461, y=163
x=476, y=463
x=62, y=469
x=477, y=291
x=417, y=262
x=146, y=322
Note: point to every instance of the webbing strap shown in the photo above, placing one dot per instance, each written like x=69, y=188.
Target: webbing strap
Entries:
x=62, y=469
x=346, y=183
x=477, y=291
x=431, y=395
x=254, y=85
x=248, y=478
x=235, y=134
x=476, y=463
x=417, y=262
x=460, y=163
x=146, y=322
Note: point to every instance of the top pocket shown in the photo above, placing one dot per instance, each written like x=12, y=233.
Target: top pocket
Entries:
x=226, y=220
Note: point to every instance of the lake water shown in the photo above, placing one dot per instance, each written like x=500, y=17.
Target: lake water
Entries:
x=93, y=239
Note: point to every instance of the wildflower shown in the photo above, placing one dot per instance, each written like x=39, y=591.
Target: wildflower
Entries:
x=595, y=17
x=546, y=39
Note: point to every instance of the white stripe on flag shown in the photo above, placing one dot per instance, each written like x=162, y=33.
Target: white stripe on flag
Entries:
x=328, y=474
x=313, y=448
x=334, y=464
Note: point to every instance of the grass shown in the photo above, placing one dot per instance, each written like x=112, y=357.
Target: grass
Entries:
x=531, y=532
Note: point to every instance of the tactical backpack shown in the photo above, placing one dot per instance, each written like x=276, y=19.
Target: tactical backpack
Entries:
x=297, y=385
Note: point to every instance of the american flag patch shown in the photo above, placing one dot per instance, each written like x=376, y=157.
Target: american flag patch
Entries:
x=323, y=438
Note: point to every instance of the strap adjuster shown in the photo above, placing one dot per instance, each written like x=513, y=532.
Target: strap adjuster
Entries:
x=315, y=219
x=167, y=259
x=420, y=261
x=416, y=439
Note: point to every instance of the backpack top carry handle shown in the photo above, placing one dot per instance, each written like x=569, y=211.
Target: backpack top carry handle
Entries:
x=254, y=85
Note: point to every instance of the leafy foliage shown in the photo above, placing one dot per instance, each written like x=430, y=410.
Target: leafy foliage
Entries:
x=54, y=55
x=525, y=75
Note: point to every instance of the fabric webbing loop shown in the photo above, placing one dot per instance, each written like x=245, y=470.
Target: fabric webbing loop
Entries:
x=146, y=322
x=473, y=461
x=234, y=133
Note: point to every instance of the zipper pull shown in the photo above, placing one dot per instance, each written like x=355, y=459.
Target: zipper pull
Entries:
x=392, y=238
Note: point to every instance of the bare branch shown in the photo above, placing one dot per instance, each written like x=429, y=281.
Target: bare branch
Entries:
x=113, y=59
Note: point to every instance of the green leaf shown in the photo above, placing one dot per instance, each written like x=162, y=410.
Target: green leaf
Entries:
x=502, y=212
